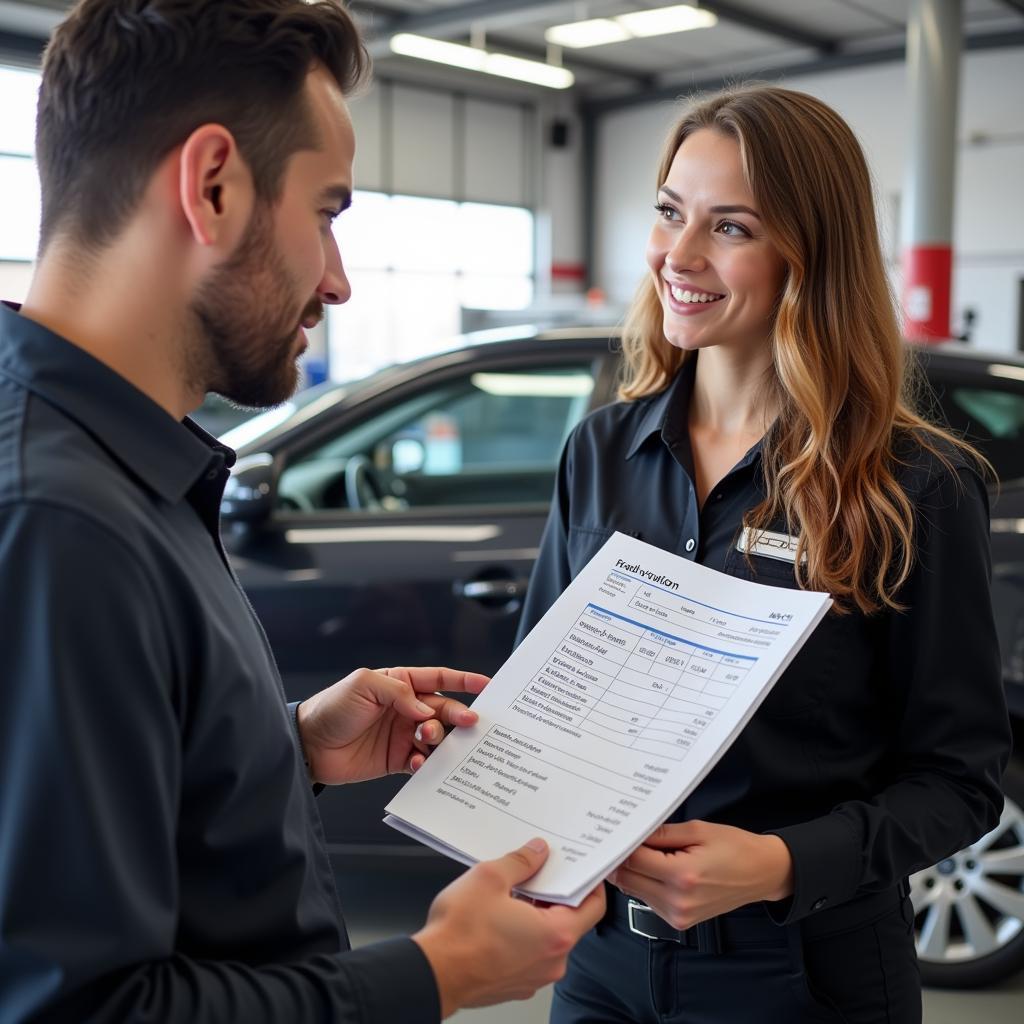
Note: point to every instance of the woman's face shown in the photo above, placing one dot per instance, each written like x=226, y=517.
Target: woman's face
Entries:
x=716, y=271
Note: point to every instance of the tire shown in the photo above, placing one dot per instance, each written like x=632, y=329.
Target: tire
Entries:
x=969, y=908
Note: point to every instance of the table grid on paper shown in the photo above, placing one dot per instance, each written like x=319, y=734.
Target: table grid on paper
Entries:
x=647, y=689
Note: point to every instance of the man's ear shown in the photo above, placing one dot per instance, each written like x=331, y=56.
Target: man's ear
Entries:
x=215, y=187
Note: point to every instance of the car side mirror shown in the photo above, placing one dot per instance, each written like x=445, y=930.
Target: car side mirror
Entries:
x=249, y=491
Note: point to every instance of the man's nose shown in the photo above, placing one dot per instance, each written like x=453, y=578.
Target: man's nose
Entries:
x=334, y=287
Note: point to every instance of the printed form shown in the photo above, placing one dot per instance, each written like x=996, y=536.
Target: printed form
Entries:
x=607, y=716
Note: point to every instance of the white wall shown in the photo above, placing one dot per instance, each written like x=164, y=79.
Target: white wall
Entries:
x=428, y=141
x=14, y=280
x=989, y=215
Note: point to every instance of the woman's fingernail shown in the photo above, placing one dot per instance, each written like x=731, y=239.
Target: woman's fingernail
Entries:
x=425, y=708
x=537, y=845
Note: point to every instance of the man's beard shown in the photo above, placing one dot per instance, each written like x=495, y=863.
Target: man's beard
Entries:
x=246, y=320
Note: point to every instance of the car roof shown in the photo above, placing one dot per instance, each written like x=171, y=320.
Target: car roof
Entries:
x=521, y=339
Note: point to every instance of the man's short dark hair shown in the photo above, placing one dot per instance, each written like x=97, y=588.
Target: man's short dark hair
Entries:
x=125, y=81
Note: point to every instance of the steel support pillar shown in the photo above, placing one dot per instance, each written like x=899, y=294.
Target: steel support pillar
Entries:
x=934, y=33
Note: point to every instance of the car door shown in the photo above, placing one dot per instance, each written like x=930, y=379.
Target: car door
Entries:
x=983, y=401
x=405, y=529
x=432, y=569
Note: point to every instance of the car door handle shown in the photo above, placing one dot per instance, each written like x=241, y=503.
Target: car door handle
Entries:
x=493, y=590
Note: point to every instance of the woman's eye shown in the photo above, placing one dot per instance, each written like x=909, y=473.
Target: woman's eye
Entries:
x=732, y=230
x=665, y=211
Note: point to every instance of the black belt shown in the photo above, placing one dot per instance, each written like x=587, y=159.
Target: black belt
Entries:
x=747, y=927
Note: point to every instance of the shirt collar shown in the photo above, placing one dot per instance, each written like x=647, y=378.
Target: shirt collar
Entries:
x=165, y=455
x=668, y=416
x=667, y=413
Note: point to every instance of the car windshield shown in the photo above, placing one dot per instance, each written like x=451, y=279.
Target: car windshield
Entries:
x=304, y=403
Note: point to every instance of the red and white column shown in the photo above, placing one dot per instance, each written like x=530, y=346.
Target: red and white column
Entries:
x=933, y=69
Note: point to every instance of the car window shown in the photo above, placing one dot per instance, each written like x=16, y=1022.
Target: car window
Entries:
x=992, y=418
x=489, y=437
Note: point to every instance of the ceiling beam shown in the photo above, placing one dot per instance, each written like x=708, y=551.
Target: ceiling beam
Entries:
x=457, y=18
x=399, y=21
x=770, y=26
x=22, y=49
x=571, y=60
x=825, y=65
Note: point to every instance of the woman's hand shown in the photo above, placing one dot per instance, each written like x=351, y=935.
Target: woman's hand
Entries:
x=694, y=870
x=374, y=723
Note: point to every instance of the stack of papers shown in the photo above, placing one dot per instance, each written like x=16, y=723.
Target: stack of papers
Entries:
x=607, y=716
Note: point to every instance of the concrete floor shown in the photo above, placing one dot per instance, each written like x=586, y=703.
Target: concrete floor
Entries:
x=381, y=904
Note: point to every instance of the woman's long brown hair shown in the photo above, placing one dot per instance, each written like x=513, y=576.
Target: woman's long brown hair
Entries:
x=841, y=379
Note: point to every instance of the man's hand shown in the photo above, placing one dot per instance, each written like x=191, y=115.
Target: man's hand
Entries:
x=374, y=723
x=486, y=946
x=694, y=870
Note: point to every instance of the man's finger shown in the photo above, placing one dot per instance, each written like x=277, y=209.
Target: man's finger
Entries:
x=586, y=915
x=519, y=865
x=449, y=711
x=433, y=678
x=428, y=734
x=387, y=688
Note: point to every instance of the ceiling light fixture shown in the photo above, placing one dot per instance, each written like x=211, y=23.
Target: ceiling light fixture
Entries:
x=595, y=32
x=663, y=20
x=477, y=59
x=637, y=25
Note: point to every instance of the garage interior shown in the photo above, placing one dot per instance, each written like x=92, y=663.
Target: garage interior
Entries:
x=515, y=199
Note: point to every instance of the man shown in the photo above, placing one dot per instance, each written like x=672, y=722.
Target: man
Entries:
x=161, y=858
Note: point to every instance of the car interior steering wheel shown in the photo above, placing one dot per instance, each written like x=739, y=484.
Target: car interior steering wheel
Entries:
x=363, y=488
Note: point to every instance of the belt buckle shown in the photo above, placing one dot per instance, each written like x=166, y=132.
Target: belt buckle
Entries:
x=632, y=906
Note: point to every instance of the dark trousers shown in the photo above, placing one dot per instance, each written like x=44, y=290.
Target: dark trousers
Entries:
x=862, y=972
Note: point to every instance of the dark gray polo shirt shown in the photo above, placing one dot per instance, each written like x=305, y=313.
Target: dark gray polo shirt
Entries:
x=880, y=749
x=161, y=856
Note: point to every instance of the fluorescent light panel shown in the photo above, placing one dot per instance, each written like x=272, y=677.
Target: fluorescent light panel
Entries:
x=475, y=59
x=595, y=32
x=528, y=71
x=636, y=25
x=663, y=20
x=437, y=50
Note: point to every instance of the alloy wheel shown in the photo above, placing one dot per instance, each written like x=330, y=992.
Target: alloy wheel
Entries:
x=971, y=906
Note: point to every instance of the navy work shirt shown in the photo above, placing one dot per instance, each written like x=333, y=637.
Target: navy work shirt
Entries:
x=161, y=856
x=880, y=749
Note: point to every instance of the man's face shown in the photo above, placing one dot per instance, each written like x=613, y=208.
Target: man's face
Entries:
x=252, y=309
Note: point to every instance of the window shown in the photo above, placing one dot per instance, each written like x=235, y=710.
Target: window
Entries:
x=19, y=185
x=414, y=264
x=490, y=437
x=990, y=418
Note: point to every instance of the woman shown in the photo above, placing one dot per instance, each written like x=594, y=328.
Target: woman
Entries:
x=765, y=395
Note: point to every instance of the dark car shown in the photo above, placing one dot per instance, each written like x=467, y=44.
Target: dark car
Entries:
x=396, y=520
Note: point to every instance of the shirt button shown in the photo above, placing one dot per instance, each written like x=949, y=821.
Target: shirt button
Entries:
x=718, y=496
x=818, y=904
x=691, y=544
x=212, y=475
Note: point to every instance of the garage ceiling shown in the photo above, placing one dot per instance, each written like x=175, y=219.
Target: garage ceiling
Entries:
x=750, y=38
